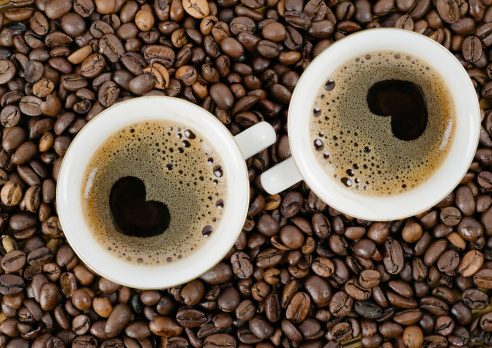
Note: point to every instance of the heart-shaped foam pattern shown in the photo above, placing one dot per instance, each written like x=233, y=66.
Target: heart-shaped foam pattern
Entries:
x=132, y=214
x=404, y=101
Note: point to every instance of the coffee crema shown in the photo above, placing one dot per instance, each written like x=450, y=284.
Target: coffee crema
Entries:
x=179, y=168
x=363, y=150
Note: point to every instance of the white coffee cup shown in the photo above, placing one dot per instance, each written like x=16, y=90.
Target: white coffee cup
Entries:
x=304, y=166
x=232, y=149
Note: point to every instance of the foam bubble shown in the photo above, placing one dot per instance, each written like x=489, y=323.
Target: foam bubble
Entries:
x=345, y=133
x=174, y=161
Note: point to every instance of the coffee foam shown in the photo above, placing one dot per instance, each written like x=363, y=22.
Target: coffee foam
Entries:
x=358, y=147
x=179, y=168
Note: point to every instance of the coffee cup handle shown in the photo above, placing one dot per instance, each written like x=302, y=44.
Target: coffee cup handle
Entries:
x=255, y=138
x=280, y=177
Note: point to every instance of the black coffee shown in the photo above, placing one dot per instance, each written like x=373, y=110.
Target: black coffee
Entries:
x=154, y=191
x=383, y=123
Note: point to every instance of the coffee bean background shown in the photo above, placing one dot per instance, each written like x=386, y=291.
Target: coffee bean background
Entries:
x=300, y=274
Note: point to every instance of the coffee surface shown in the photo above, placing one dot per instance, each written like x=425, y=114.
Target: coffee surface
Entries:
x=153, y=192
x=383, y=123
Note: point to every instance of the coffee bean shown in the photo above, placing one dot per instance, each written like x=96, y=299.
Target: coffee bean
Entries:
x=341, y=304
x=241, y=265
x=393, y=259
x=483, y=279
x=11, y=194
x=31, y=106
x=13, y=261
x=166, y=327
x=57, y=8
x=190, y=317
x=219, y=340
x=448, y=261
x=448, y=10
x=368, y=309
x=268, y=49
x=355, y=290
x=196, y=8
x=413, y=336
x=138, y=85
x=111, y=47
x=470, y=229
x=471, y=263
x=298, y=307
x=319, y=290
x=118, y=320
x=192, y=293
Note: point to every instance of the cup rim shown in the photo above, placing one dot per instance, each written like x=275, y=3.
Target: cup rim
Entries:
x=159, y=279
x=300, y=148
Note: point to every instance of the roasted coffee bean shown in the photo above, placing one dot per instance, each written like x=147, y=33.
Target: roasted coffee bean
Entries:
x=13, y=261
x=483, y=279
x=393, y=258
x=356, y=290
x=241, y=265
x=368, y=309
x=190, y=317
x=118, y=320
x=298, y=307
x=7, y=71
x=471, y=262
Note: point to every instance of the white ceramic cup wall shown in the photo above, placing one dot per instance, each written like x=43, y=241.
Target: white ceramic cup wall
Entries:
x=304, y=166
x=233, y=150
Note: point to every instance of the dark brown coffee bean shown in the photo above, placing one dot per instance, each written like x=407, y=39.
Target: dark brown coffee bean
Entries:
x=219, y=340
x=408, y=317
x=108, y=93
x=465, y=200
x=393, y=257
x=298, y=307
x=219, y=274
x=138, y=85
x=190, y=317
x=245, y=310
x=470, y=229
x=483, y=279
x=160, y=54
x=13, y=261
x=33, y=71
x=31, y=106
x=118, y=320
x=163, y=326
x=84, y=8
x=450, y=216
x=319, y=290
x=448, y=10
x=434, y=305
x=448, y=261
x=268, y=49
x=261, y=327
x=341, y=304
x=222, y=96
x=434, y=251
x=241, y=265
x=7, y=71
x=24, y=153
x=111, y=47
x=73, y=82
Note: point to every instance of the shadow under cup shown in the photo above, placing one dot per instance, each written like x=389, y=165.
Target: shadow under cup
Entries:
x=444, y=179
x=71, y=178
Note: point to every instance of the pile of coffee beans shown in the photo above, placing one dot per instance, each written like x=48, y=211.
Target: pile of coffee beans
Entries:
x=300, y=274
